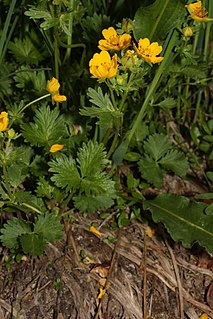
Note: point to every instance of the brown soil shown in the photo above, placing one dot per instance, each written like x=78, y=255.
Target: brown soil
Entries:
x=143, y=278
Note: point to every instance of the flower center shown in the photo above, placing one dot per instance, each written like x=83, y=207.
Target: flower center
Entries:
x=201, y=12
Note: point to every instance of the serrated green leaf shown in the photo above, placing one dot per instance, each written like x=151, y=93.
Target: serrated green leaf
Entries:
x=25, y=51
x=176, y=162
x=44, y=189
x=92, y=203
x=151, y=171
x=49, y=23
x=66, y=174
x=157, y=145
x=48, y=128
x=35, y=13
x=11, y=232
x=97, y=184
x=91, y=158
x=102, y=108
x=185, y=221
x=49, y=226
x=33, y=244
x=157, y=19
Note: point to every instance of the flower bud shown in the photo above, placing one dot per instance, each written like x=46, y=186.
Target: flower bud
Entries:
x=187, y=32
x=11, y=133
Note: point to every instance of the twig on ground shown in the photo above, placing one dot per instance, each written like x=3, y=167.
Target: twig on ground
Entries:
x=181, y=307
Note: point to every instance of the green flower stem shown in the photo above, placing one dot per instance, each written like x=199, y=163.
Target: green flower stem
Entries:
x=121, y=150
x=153, y=86
x=70, y=28
x=33, y=102
x=7, y=184
x=113, y=145
x=3, y=37
x=32, y=208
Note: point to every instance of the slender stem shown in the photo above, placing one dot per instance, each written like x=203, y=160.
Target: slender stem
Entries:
x=70, y=28
x=32, y=207
x=121, y=150
x=6, y=179
x=113, y=145
x=5, y=30
x=153, y=86
x=34, y=101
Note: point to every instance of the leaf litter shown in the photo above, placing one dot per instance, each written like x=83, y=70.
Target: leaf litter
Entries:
x=173, y=280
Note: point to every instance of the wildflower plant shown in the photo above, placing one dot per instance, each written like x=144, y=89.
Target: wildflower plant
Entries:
x=122, y=95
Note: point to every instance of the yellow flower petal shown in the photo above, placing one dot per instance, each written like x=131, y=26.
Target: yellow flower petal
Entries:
x=109, y=33
x=56, y=147
x=102, y=66
x=101, y=293
x=149, y=51
x=59, y=98
x=3, y=121
x=198, y=12
x=113, y=41
x=204, y=316
x=95, y=231
x=53, y=85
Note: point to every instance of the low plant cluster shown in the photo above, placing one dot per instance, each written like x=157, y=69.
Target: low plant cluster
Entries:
x=96, y=112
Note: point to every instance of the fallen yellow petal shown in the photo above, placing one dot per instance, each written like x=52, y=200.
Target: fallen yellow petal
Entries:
x=149, y=231
x=56, y=147
x=95, y=231
x=204, y=316
x=101, y=293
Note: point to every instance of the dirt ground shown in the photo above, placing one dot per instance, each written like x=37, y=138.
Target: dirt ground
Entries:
x=142, y=277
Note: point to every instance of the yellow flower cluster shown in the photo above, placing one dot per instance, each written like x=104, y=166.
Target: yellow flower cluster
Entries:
x=102, y=66
x=3, y=121
x=198, y=12
x=53, y=88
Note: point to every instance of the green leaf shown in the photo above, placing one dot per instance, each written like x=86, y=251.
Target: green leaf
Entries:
x=93, y=203
x=151, y=171
x=66, y=174
x=185, y=221
x=176, y=162
x=160, y=156
x=25, y=51
x=49, y=23
x=35, y=13
x=48, y=128
x=156, y=20
x=33, y=244
x=11, y=232
x=91, y=158
x=49, y=226
x=157, y=145
x=103, y=108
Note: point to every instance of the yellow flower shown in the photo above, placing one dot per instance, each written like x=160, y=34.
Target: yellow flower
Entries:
x=149, y=51
x=59, y=98
x=3, y=121
x=204, y=316
x=56, y=147
x=53, y=85
x=113, y=41
x=197, y=11
x=102, y=66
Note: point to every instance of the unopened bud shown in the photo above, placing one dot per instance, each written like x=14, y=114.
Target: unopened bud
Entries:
x=187, y=32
